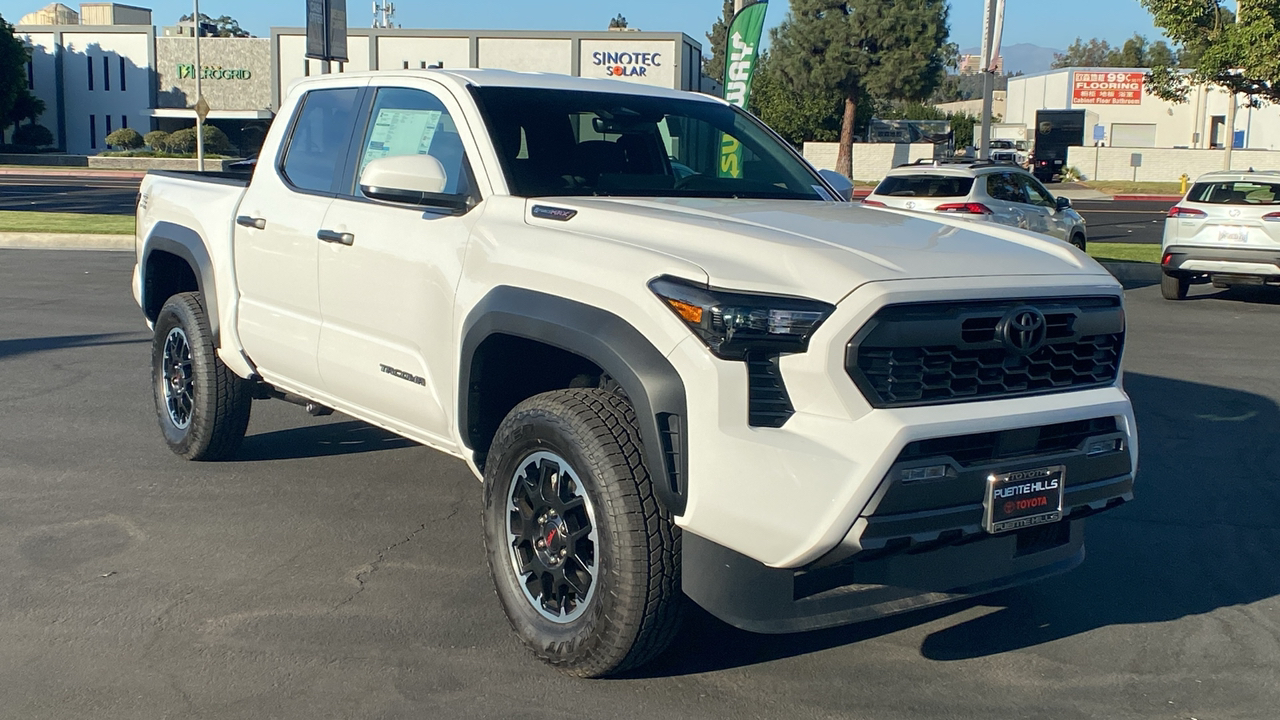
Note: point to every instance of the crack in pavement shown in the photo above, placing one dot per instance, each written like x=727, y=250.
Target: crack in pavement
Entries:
x=363, y=576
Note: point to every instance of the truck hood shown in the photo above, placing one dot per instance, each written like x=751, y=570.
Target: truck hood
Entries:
x=822, y=250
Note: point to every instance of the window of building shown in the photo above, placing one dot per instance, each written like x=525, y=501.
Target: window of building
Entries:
x=321, y=134
x=124, y=121
x=89, y=60
x=122, y=87
x=106, y=74
x=93, y=132
x=108, y=119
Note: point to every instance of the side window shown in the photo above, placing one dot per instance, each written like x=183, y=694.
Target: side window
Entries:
x=415, y=122
x=321, y=134
x=1036, y=192
x=1004, y=187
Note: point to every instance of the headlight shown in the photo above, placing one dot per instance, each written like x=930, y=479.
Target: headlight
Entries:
x=734, y=323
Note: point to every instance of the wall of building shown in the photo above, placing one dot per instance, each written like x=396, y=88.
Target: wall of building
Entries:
x=113, y=14
x=42, y=77
x=871, y=161
x=237, y=73
x=1164, y=164
x=659, y=59
x=1150, y=123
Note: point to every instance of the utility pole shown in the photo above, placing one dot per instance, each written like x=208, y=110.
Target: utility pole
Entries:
x=1231, y=129
x=737, y=6
x=992, y=29
x=200, y=103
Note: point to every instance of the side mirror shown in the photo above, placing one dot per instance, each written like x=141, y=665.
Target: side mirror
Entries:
x=842, y=184
x=410, y=179
x=1063, y=203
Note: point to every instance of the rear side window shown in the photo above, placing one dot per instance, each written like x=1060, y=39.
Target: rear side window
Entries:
x=1005, y=187
x=1235, y=193
x=925, y=186
x=318, y=145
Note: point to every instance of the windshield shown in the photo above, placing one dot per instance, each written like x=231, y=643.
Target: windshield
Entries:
x=561, y=142
x=1235, y=193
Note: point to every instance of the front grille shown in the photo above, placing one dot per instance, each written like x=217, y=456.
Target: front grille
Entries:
x=985, y=448
x=935, y=353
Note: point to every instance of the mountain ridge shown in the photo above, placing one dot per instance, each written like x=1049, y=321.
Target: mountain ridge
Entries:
x=1025, y=58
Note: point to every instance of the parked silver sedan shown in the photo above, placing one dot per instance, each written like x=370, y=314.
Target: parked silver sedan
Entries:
x=983, y=191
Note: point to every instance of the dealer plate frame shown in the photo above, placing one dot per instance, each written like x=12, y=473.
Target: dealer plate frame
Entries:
x=1053, y=506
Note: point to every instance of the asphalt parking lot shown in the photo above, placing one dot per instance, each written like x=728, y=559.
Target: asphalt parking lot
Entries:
x=335, y=571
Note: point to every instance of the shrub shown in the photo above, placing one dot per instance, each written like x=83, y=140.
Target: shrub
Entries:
x=1072, y=174
x=32, y=135
x=156, y=140
x=184, y=141
x=125, y=139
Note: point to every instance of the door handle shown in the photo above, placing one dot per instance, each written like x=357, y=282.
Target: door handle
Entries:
x=251, y=222
x=330, y=236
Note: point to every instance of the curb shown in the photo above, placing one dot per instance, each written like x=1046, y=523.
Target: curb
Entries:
x=77, y=173
x=1139, y=274
x=65, y=241
x=1147, y=198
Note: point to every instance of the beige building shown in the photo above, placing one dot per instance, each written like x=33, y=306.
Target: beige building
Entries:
x=52, y=14
x=113, y=14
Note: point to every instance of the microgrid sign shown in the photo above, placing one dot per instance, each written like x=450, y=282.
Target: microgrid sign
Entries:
x=1107, y=88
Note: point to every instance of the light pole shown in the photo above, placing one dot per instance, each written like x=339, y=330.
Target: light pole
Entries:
x=195, y=26
x=992, y=29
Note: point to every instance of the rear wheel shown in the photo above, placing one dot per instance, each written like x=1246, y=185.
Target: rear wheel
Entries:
x=1174, y=287
x=584, y=559
x=203, y=407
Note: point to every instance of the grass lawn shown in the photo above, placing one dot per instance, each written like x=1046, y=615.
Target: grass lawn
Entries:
x=1120, y=187
x=43, y=222
x=1125, y=252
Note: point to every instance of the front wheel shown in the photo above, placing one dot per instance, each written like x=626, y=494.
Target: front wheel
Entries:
x=1174, y=287
x=1078, y=241
x=584, y=559
x=203, y=407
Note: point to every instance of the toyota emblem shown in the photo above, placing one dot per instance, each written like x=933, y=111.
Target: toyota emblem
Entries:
x=1234, y=213
x=1023, y=330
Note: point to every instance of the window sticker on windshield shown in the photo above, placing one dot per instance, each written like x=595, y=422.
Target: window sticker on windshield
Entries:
x=401, y=132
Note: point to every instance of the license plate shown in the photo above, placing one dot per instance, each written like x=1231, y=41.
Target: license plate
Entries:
x=1233, y=233
x=1024, y=498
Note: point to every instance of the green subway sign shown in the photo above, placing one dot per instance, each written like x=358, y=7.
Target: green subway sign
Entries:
x=187, y=71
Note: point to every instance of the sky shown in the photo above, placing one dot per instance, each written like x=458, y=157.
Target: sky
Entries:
x=1048, y=24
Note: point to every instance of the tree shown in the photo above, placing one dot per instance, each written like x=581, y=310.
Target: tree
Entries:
x=27, y=107
x=718, y=39
x=798, y=117
x=1240, y=54
x=227, y=25
x=13, y=72
x=885, y=49
x=125, y=139
x=618, y=23
x=1095, y=53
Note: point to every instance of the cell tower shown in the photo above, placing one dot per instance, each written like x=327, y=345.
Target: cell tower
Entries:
x=384, y=14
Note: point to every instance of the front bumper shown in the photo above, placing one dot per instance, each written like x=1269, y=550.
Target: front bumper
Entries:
x=786, y=497
x=1192, y=260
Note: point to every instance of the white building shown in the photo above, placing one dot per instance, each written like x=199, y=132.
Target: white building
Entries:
x=1130, y=117
x=92, y=79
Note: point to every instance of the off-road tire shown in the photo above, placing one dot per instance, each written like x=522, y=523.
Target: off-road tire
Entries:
x=637, y=606
x=1173, y=287
x=217, y=413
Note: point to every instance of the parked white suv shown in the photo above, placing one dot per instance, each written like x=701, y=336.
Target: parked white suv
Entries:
x=1225, y=231
x=984, y=191
x=704, y=377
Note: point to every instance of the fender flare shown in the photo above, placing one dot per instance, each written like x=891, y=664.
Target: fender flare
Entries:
x=651, y=382
x=188, y=245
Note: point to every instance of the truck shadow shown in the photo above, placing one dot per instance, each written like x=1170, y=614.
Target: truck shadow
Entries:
x=27, y=346
x=335, y=438
x=1200, y=536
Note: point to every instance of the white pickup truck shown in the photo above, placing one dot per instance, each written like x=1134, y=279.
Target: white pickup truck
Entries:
x=680, y=364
